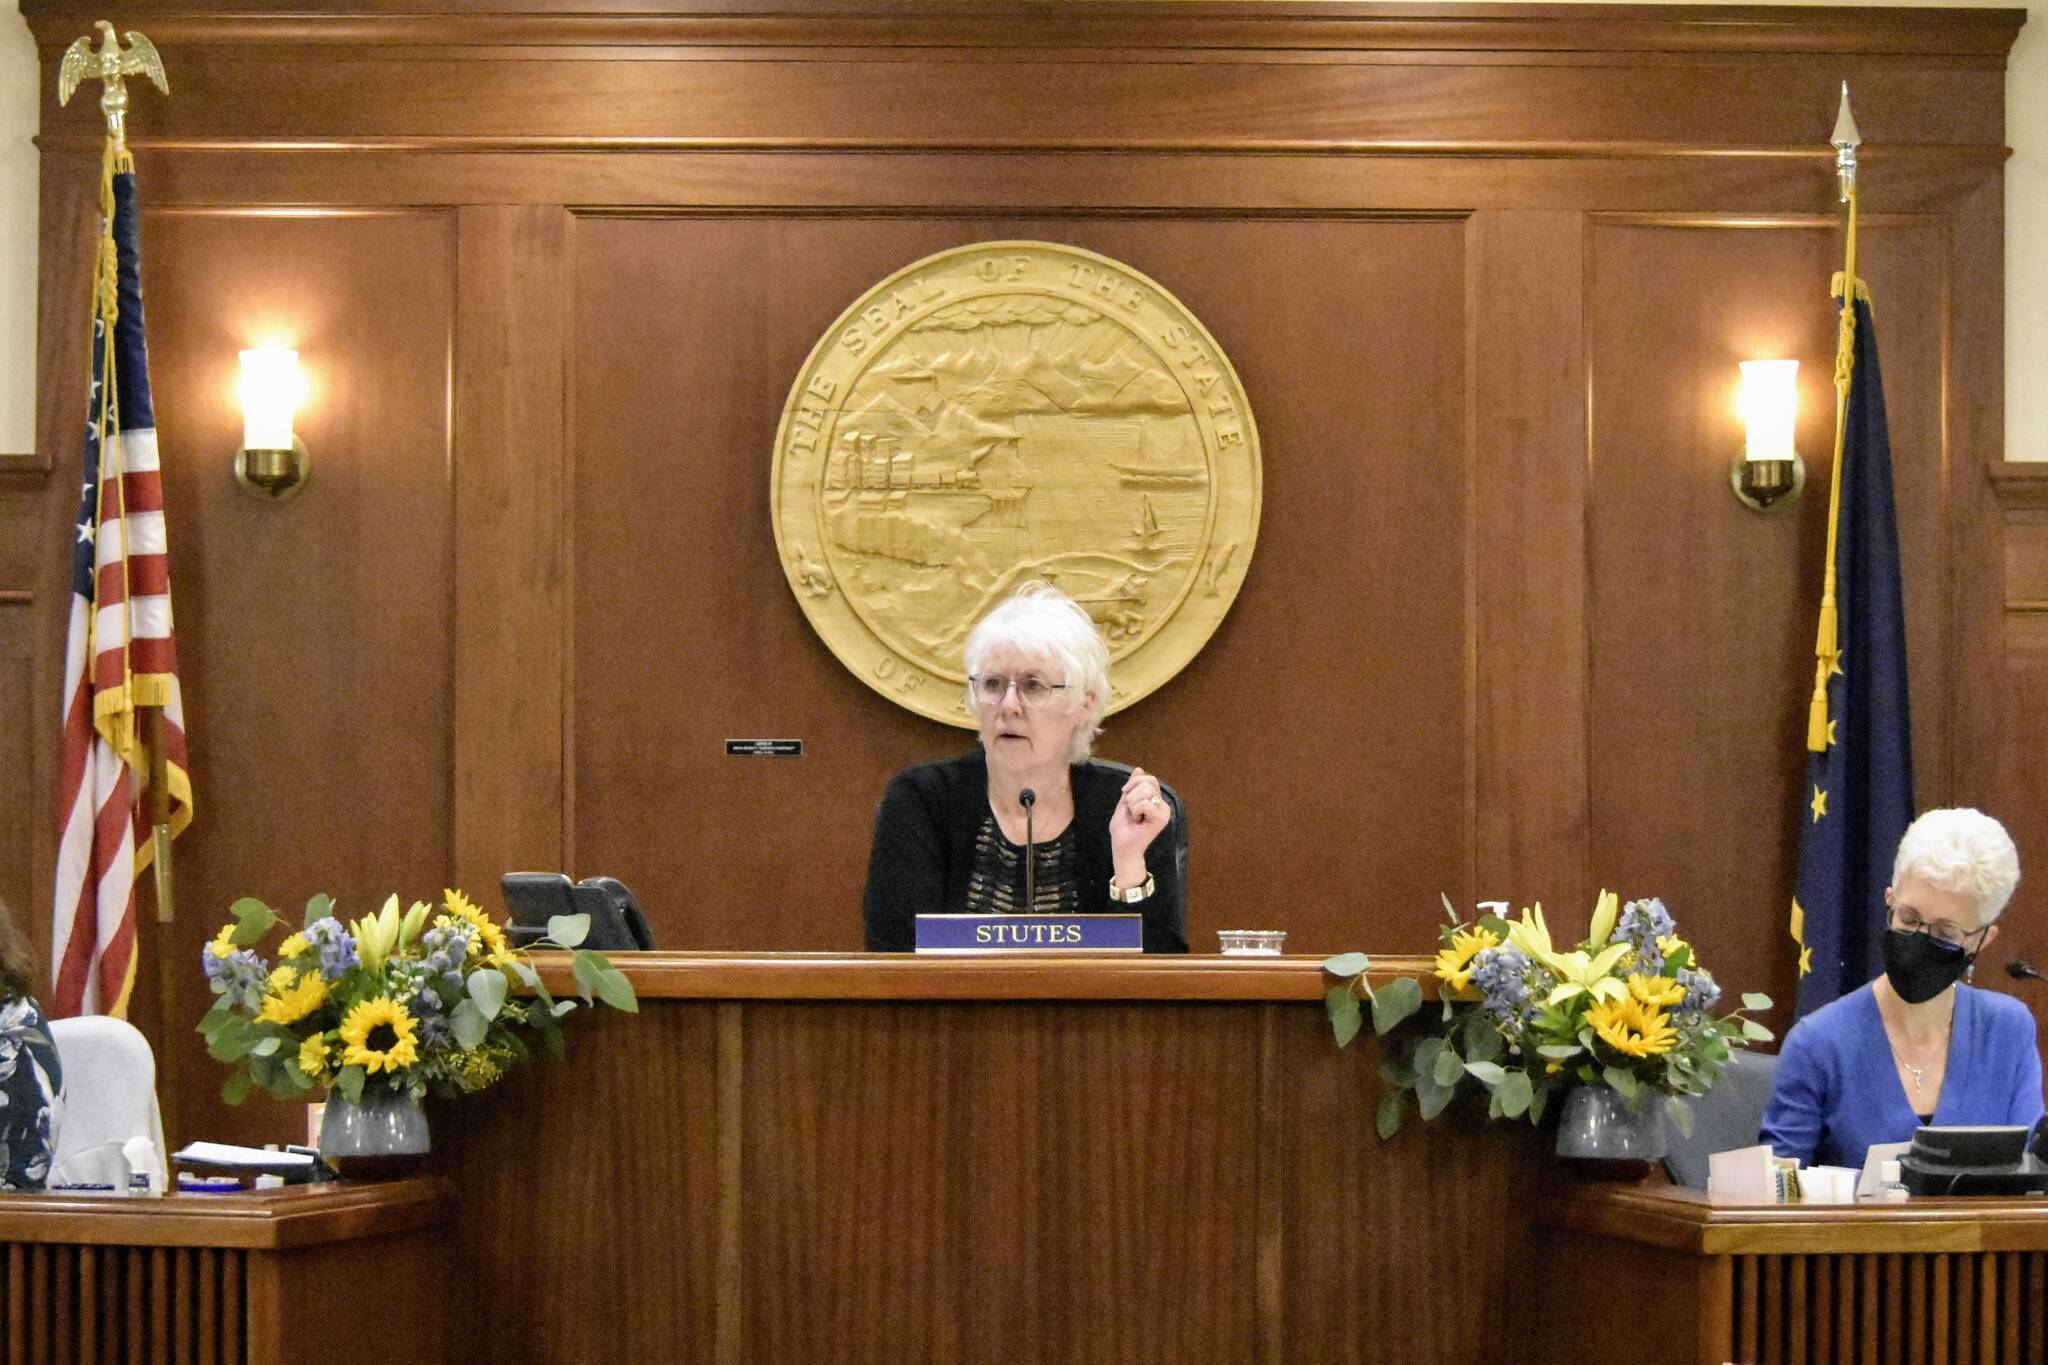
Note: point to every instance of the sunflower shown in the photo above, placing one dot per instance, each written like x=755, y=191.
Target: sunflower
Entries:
x=1454, y=964
x=380, y=1036
x=293, y=946
x=1629, y=1026
x=223, y=942
x=289, y=1000
x=1660, y=991
x=490, y=939
x=313, y=1056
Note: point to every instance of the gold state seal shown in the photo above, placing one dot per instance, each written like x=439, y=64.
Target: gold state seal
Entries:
x=1003, y=412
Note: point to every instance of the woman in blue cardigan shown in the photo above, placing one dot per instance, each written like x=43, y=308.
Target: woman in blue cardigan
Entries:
x=1916, y=1046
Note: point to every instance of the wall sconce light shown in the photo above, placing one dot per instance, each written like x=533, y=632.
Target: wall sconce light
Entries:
x=1770, y=472
x=273, y=463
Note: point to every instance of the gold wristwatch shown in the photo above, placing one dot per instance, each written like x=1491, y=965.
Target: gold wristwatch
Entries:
x=1135, y=894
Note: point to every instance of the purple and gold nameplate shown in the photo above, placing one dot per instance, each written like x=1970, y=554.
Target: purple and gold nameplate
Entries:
x=1030, y=933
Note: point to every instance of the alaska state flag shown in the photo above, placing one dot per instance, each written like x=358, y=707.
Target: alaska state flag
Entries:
x=1859, y=772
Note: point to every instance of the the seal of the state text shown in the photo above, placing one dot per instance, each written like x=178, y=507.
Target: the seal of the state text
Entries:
x=1004, y=412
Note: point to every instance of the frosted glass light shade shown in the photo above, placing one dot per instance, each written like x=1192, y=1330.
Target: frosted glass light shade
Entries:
x=1770, y=406
x=270, y=394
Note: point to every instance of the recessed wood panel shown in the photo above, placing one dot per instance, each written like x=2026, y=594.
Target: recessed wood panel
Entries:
x=17, y=748
x=1337, y=684
x=1702, y=612
x=313, y=635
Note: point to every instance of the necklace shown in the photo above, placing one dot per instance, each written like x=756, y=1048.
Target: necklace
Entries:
x=1918, y=1075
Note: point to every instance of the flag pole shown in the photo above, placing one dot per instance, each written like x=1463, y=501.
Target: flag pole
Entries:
x=167, y=961
x=1826, y=647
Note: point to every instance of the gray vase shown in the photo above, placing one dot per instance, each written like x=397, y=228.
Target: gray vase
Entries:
x=1598, y=1126
x=382, y=1135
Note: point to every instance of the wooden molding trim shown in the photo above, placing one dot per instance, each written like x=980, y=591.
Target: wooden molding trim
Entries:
x=1687, y=1220
x=34, y=466
x=259, y=1220
x=1126, y=28
x=899, y=976
x=2020, y=485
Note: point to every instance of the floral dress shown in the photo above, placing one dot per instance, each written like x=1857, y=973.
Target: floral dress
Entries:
x=30, y=1075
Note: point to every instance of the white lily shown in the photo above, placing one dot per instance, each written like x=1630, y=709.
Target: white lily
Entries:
x=1577, y=972
x=377, y=935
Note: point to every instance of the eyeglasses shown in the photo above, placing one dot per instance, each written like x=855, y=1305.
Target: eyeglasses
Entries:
x=989, y=689
x=1941, y=931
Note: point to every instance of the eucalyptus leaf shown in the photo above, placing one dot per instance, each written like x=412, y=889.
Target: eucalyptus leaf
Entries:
x=1515, y=1094
x=1394, y=1002
x=1482, y=1040
x=1346, y=964
x=1398, y=1072
x=232, y=1041
x=1755, y=1032
x=1755, y=1000
x=1495, y=925
x=1388, y=1119
x=1493, y=1109
x=1680, y=1114
x=615, y=990
x=487, y=987
x=1623, y=1082
x=1488, y=1073
x=568, y=930
x=1345, y=1017
x=1448, y=1067
x=253, y=919
x=237, y=1086
x=469, y=1025
x=562, y=1007
x=1538, y=1102
x=528, y=977
x=1425, y=1055
x=585, y=969
x=1557, y=1052
x=1432, y=1098
x=318, y=908
x=350, y=1084
x=265, y=1046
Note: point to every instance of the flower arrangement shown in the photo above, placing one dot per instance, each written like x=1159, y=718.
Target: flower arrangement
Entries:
x=1628, y=1007
x=388, y=1000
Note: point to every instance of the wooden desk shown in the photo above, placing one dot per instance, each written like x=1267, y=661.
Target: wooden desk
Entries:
x=217, y=1278
x=998, y=1160
x=1933, y=1282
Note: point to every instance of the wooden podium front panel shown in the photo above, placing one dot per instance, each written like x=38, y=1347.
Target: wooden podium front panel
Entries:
x=896, y=1161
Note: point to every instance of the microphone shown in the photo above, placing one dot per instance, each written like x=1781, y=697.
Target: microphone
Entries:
x=1027, y=799
x=2018, y=970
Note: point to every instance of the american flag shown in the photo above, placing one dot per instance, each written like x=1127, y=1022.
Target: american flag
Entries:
x=120, y=656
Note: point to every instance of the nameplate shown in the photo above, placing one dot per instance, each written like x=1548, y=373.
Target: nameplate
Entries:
x=981, y=934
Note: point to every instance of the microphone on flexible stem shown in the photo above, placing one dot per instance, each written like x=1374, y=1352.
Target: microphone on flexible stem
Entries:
x=1027, y=799
x=2018, y=970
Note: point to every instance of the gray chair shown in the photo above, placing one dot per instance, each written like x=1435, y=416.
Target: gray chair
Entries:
x=1726, y=1117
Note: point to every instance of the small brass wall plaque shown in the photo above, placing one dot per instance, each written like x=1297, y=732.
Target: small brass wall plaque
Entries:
x=1003, y=412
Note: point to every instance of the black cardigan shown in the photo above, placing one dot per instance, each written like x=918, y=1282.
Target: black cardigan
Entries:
x=923, y=852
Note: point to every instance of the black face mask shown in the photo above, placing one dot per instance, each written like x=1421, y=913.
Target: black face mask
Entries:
x=1921, y=966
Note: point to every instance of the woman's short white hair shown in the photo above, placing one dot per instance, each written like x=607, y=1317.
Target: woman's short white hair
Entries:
x=1964, y=852
x=1040, y=619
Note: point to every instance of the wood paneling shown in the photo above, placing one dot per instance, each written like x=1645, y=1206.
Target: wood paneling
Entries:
x=1702, y=614
x=1485, y=274
x=1076, y=1178
x=1336, y=633
x=314, y=636
x=17, y=747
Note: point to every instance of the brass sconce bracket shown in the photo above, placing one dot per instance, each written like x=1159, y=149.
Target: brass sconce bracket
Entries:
x=274, y=475
x=1767, y=485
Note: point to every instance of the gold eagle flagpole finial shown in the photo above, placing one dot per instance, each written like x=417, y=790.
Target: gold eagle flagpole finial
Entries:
x=110, y=64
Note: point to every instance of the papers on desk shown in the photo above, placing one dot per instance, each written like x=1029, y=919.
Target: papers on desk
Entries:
x=1753, y=1175
x=230, y=1157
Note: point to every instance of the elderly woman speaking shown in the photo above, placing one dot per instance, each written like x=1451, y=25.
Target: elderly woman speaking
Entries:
x=1916, y=1046
x=950, y=835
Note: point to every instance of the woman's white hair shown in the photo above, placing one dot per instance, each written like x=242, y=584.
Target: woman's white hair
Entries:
x=1964, y=852
x=1040, y=619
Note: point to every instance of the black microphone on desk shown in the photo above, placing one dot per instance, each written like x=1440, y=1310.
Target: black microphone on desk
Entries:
x=1027, y=799
x=2018, y=970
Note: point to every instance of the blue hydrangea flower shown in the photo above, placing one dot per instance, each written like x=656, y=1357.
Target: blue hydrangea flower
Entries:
x=1701, y=991
x=1502, y=977
x=337, y=947
x=1641, y=924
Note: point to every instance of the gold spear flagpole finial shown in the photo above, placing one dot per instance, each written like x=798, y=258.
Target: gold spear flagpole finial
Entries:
x=1846, y=140
x=109, y=65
